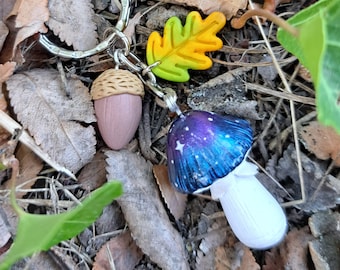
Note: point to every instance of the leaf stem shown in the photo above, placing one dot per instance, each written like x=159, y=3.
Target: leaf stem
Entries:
x=238, y=23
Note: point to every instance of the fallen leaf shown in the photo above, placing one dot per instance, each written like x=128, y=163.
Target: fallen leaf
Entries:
x=326, y=196
x=5, y=8
x=222, y=260
x=268, y=73
x=294, y=250
x=5, y=235
x=4, y=134
x=26, y=18
x=273, y=260
x=55, y=117
x=325, y=249
x=158, y=16
x=175, y=201
x=322, y=141
x=236, y=257
x=6, y=71
x=30, y=166
x=73, y=22
x=248, y=261
x=30, y=12
x=3, y=34
x=44, y=260
x=144, y=211
x=272, y=4
x=123, y=251
x=93, y=175
x=204, y=261
x=214, y=238
x=224, y=93
x=110, y=223
x=129, y=31
x=228, y=7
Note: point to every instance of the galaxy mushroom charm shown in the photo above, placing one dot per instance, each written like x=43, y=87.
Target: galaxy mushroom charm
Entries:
x=206, y=150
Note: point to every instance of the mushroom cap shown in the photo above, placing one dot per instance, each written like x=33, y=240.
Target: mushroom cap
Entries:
x=203, y=147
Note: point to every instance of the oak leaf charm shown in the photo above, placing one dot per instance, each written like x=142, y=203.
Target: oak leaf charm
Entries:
x=184, y=47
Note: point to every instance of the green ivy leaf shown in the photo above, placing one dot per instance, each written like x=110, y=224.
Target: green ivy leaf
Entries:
x=40, y=232
x=318, y=49
x=184, y=47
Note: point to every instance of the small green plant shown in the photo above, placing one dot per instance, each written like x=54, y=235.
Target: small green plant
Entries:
x=317, y=46
x=312, y=35
x=40, y=232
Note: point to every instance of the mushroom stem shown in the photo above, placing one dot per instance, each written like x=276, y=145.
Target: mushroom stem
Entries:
x=254, y=215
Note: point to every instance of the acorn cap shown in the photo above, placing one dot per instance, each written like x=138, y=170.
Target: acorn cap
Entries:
x=115, y=82
x=203, y=147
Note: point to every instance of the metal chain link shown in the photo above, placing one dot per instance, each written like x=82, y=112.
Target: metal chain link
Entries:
x=121, y=57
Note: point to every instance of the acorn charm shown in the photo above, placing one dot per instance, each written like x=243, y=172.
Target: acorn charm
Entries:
x=117, y=96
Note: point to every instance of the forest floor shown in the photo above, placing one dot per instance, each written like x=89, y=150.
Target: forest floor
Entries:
x=152, y=226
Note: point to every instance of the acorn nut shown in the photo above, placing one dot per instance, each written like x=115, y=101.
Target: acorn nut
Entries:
x=117, y=96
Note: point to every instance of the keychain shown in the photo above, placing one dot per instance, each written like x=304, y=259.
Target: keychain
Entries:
x=204, y=150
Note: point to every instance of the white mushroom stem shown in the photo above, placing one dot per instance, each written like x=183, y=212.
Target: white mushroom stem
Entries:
x=254, y=215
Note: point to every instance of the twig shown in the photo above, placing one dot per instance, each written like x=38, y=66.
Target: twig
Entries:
x=284, y=95
x=10, y=125
x=238, y=23
x=292, y=110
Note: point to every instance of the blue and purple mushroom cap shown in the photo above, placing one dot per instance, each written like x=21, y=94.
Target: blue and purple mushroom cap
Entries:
x=203, y=147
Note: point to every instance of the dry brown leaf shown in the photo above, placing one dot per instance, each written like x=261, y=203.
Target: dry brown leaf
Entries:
x=248, y=261
x=30, y=12
x=4, y=134
x=6, y=71
x=44, y=260
x=228, y=7
x=122, y=249
x=225, y=93
x=215, y=237
x=322, y=141
x=272, y=4
x=144, y=211
x=30, y=166
x=293, y=252
x=73, y=22
x=273, y=260
x=5, y=235
x=54, y=116
x=93, y=175
x=129, y=31
x=10, y=217
x=325, y=249
x=317, y=198
x=175, y=200
x=26, y=18
x=5, y=8
x=236, y=257
x=222, y=260
x=3, y=34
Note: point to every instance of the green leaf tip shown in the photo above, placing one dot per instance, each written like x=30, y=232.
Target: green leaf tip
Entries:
x=184, y=47
x=318, y=49
x=40, y=232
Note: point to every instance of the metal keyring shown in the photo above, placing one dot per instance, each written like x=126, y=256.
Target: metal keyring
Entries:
x=120, y=26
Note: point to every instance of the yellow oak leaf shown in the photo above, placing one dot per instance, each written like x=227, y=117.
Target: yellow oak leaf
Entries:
x=184, y=47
